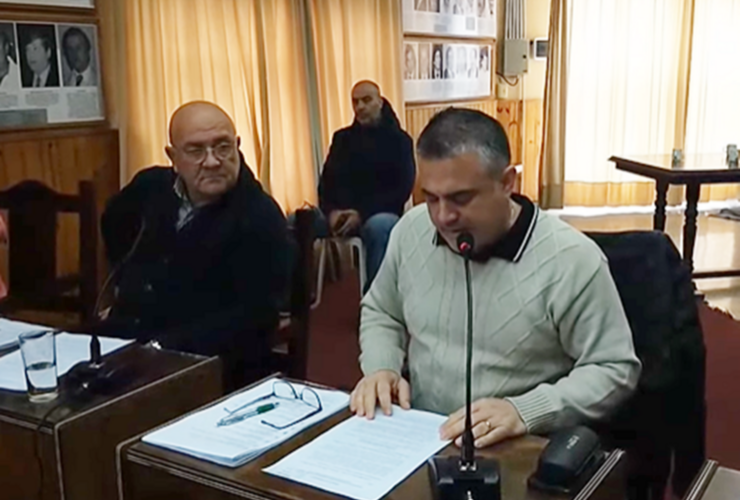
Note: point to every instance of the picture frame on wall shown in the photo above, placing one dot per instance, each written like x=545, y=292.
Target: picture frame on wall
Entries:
x=454, y=18
x=49, y=74
x=446, y=71
x=80, y=4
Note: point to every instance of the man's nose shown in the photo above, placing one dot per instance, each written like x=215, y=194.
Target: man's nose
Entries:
x=448, y=214
x=210, y=160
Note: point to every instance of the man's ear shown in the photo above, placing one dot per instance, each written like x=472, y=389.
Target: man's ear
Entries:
x=170, y=151
x=508, y=179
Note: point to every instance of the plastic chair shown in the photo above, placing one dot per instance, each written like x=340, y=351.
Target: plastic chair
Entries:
x=358, y=250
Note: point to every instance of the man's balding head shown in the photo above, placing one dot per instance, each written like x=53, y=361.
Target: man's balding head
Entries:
x=367, y=102
x=204, y=150
x=198, y=114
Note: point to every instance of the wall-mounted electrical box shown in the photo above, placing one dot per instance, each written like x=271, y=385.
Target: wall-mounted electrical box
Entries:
x=514, y=57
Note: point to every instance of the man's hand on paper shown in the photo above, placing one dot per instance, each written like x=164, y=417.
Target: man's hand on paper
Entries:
x=494, y=420
x=384, y=387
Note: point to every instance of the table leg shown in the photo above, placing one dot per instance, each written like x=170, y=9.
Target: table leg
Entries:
x=689, y=227
x=661, y=189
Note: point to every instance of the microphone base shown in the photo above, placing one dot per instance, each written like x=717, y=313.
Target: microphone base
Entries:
x=89, y=377
x=450, y=480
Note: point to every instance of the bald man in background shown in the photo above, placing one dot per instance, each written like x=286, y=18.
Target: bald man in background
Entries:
x=201, y=253
x=368, y=176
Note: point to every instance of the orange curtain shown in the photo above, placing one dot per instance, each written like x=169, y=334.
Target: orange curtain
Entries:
x=355, y=40
x=247, y=56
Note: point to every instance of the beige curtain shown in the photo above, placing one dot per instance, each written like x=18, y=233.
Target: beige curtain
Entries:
x=714, y=80
x=623, y=72
x=355, y=40
x=552, y=159
x=245, y=55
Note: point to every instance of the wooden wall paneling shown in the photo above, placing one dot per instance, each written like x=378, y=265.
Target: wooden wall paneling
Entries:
x=61, y=158
x=533, y=123
x=509, y=114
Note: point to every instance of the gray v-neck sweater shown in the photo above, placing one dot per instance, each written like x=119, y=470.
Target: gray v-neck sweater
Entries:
x=550, y=334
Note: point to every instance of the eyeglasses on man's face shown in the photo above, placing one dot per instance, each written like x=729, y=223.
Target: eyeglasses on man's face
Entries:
x=285, y=392
x=198, y=154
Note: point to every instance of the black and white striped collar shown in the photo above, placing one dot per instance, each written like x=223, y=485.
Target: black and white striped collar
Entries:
x=511, y=247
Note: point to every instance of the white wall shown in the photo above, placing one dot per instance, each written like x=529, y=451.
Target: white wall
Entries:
x=537, y=25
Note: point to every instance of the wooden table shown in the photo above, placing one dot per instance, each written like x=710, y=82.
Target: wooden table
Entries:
x=149, y=473
x=695, y=171
x=65, y=449
x=715, y=483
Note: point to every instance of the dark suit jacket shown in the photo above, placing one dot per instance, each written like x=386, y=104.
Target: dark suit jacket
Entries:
x=212, y=288
x=52, y=80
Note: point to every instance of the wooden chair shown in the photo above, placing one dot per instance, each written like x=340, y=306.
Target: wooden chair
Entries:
x=32, y=261
x=290, y=346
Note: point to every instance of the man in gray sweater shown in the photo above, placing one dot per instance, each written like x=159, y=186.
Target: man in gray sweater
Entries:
x=552, y=346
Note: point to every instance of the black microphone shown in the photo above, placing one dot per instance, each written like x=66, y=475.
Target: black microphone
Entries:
x=465, y=244
x=468, y=477
x=94, y=376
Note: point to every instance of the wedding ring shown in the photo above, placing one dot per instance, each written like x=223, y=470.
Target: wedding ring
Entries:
x=488, y=425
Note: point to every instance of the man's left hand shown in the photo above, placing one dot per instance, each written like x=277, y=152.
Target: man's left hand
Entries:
x=352, y=222
x=494, y=420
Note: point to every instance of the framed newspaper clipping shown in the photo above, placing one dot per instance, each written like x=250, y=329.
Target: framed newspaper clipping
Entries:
x=84, y=4
x=453, y=18
x=49, y=74
x=436, y=71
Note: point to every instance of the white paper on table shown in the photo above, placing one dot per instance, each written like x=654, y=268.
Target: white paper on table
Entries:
x=365, y=459
x=199, y=435
x=9, y=331
x=71, y=349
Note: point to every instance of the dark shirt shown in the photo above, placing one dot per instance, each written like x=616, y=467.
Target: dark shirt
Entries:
x=370, y=169
x=213, y=287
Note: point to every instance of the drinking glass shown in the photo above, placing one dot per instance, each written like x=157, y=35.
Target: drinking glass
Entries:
x=40, y=364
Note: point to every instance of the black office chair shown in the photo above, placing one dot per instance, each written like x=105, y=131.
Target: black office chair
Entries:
x=663, y=423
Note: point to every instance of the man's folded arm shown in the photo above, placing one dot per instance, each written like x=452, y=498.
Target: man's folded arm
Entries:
x=260, y=267
x=594, y=332
x=382, y=330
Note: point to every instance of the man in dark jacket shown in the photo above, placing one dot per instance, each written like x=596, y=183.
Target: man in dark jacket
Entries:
x=368, y=175
x=201, y=252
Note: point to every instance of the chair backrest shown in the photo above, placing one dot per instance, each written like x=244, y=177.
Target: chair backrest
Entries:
x=32, y=217
x=300, y=294
x=663, y=424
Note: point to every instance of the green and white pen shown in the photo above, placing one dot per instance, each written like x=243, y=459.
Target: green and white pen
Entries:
x=238, y=417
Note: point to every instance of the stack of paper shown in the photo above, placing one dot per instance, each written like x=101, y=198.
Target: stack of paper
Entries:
x=365, y=459
x=9, y=331
x=233, y=445
x=71, y=349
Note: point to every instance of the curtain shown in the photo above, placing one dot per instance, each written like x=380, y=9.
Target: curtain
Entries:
x=622, y=93
x=714, y=86
x=552, y=159
x=246, y=56
x=355, y=40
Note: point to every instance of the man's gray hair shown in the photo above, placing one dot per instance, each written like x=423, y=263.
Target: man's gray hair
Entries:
x=457, y=131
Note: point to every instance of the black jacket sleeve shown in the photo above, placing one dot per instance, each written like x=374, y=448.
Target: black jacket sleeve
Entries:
x=395, y=194
x=330, y=188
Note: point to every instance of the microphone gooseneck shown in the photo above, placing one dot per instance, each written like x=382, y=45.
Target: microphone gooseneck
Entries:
x=465, y=244
x=468, y=477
